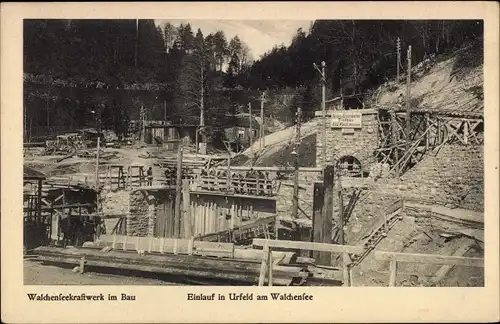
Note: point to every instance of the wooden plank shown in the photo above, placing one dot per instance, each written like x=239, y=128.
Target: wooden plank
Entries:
x=429, y=259
x=225, y=194
x=300, y=245
x=393, y=271
x=443, y=271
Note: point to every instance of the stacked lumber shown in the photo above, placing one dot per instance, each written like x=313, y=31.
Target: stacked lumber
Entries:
x=187, y=266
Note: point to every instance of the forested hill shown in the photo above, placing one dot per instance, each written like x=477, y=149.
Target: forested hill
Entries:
x=73, y=66
x=359, y=55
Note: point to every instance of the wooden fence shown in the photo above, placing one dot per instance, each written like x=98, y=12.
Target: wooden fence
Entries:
x=395, y=257
x=268, y=245
x=168, y=245
x=239, y=185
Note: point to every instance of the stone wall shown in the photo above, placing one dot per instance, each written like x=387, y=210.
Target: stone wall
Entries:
x=357, y=142
x=138, y=219
x=114, y=204
x=454, y=177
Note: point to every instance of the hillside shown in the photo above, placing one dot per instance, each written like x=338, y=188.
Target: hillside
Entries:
x=451, y=82
x=445, y=83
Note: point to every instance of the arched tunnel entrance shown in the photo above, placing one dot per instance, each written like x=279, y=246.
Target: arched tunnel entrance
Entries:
x=350, y=166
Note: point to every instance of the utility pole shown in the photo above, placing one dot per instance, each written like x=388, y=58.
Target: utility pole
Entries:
x=25, y=125
x=295, y=210
x=341, y=96
x=143, y=122
x=323, y=105
x=262, y=129
x=251, y=129
x=165, y=111
x=398, y=49
x=136, y=40
x=97, y=114
x=202, y=113
x=408, y=95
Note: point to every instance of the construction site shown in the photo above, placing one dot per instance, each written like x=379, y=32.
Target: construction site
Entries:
x=392, y=195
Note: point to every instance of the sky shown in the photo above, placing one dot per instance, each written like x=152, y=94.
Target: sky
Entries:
x=259, y=35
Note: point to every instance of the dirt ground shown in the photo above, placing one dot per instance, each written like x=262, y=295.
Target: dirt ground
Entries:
x=36, y=273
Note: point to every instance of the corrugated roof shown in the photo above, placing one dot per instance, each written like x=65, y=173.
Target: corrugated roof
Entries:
x=32, y=173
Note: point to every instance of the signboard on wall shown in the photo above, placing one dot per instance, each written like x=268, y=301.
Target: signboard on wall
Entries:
x=346, y=119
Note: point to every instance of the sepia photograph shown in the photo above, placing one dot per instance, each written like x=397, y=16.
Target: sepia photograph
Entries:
x=253, y=152
x=207, y=162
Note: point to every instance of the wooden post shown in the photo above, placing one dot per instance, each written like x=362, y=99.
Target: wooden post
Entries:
x=323, y=109
x=143, y=128
x=228, y=171
x=136, y=41
x=39, y=200
x=341, y=209
x=251, y=130
x=318, y=202
x=295, y=210
x=393, y=271
x=97, y=163
x=125, y=243
x=186, y=202
x=178, y=192
x=270, y=264
x=466, y=133
x=202, y=112
x=427, y=124
x=345, y=269
x=82, y=265
x=323, y=213
x=398, y=61
x=262, y=129
x=263, y=265
x=408, y=97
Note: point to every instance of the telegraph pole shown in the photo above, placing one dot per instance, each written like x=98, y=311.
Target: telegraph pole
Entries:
x=295, y=210
x=136, y=40
x=398, y=48
x=143, y=122
x=251, y=129
x=202, y=113
x=262, y=129
x=408, y=94
x=97, y=115
x=323, y=105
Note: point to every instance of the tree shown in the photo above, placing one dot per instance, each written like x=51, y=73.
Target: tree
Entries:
x=170, y=34
x=220, y=49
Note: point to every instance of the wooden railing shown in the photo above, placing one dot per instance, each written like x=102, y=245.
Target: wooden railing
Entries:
x=269, y=245
x=168, y=245
x=237, y=185
x=395, y=257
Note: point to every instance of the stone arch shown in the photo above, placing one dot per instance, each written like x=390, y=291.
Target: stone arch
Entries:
x=350, y=166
